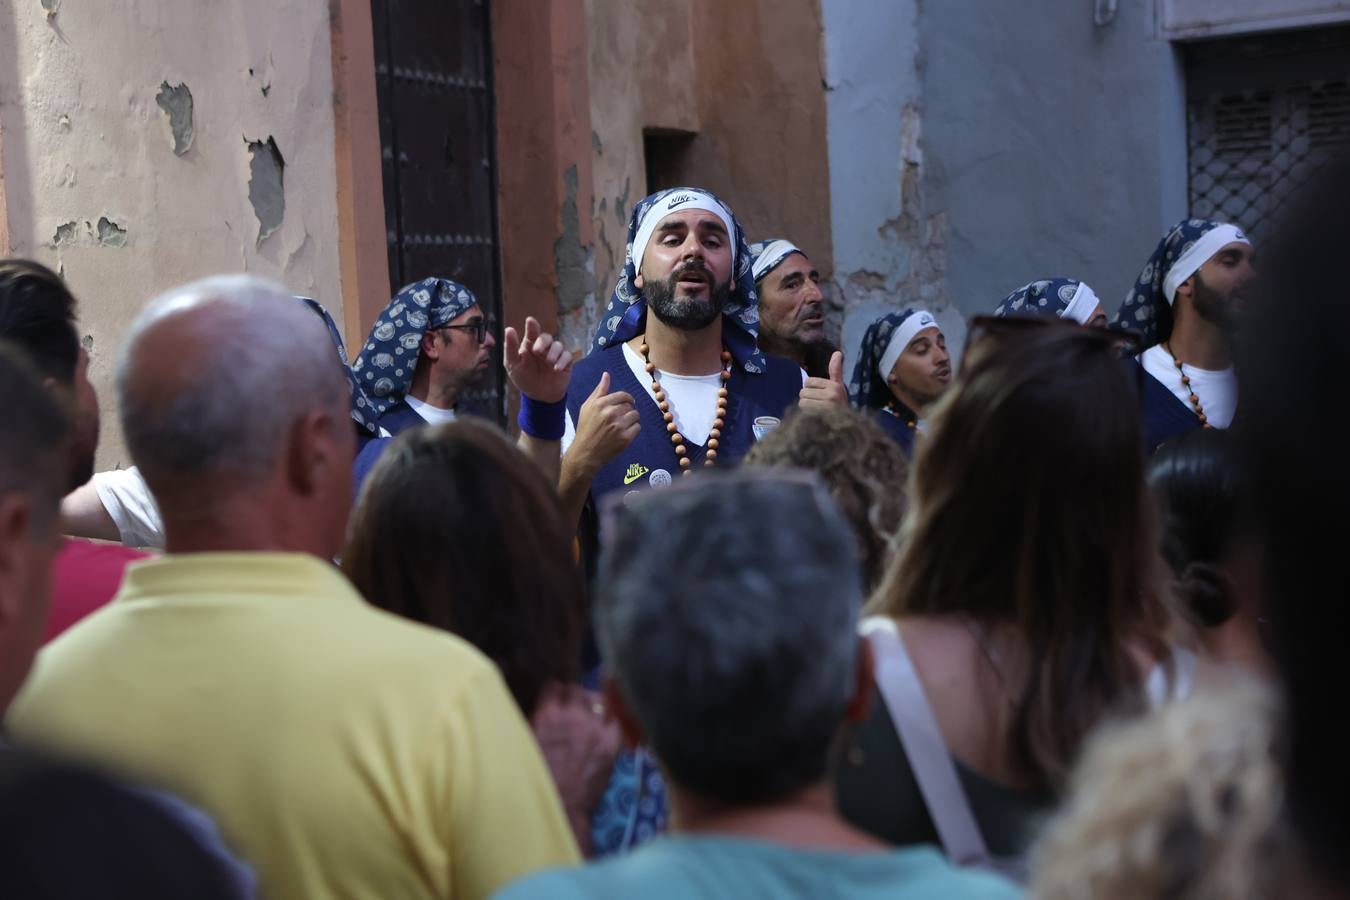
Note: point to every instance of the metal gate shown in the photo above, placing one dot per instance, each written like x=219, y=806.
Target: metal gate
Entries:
x=1263, y=113
x=433, y=72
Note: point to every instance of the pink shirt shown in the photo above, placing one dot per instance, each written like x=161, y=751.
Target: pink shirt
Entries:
x=85, y=576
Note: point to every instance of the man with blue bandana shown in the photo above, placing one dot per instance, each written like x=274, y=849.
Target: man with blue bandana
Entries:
x=902, y=369
x=791, y=306
x=431, y=343
x=676, y=354
x=1186, y=303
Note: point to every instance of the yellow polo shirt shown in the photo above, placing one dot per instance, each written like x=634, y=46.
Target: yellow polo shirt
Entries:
x=344, y=752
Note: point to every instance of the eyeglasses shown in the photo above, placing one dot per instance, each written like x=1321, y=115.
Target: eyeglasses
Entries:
x=477, y=326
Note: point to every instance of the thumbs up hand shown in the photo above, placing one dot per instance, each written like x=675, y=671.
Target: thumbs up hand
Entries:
x=606, y=425
x=818, y=392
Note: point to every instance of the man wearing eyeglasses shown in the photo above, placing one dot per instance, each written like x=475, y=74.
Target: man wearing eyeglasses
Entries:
x=429, y=345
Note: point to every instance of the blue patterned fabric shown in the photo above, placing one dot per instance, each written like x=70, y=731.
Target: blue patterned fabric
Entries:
x=362, y=413
x=1147, y=309
x=626, y=315
x=1048, y=297
x=867, y=389
x=633, y=809
x=385, y=366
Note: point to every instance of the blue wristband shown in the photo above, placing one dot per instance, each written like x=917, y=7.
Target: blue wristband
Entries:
x=545, y=421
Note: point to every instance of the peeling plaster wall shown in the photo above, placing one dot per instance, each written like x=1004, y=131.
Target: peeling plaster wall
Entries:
x=745, y=79
x=1054, y=146
x=889, y=241
x=971, y=154
x=131, y=184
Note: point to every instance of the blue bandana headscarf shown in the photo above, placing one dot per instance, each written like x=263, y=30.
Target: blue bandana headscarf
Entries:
x=868, y=388
x=1148, y=308
x=361, y=410
x=765, y=256
x=626, y=315
x=1064, y=297
x=386, y=364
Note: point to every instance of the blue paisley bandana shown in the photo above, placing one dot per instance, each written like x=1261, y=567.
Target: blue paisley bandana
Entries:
x=1176, y=258
x=387, y=362
x=1067, y=298
x=868, y=388
x=362, y=413
x=626, y=315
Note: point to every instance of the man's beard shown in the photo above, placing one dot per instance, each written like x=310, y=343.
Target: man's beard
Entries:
x=682, y=312
x=1221, y=310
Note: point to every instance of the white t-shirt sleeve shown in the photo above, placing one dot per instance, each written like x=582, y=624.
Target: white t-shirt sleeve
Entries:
x=127, y=498
x=569, y=434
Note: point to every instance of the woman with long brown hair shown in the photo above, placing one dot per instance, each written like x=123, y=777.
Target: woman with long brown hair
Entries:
x=456, y=528
x=1026, y=602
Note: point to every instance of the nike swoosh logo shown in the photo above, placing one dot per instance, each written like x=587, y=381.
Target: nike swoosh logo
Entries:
x=629, y=479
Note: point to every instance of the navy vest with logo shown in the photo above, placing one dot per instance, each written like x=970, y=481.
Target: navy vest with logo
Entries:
x=650, y=459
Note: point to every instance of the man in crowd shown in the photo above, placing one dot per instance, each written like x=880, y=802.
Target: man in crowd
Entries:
x=740, y=673
x=33, y=475
x=342, y=751
x=902, y=369
x=37, y=314
x=1186, y=302
x=428, y=346
x=791, y=306
x=431, y=344
x=678, y=344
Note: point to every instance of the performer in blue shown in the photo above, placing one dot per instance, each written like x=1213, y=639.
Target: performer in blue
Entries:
x=791, y=306
x=430, y=344
x=1186, y=302
x=676, y=354
x=1067, y=298
x=902, y=369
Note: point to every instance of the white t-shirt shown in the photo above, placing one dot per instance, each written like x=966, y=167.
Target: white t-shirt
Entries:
x=1217, y=390
x=434, y=415
x=128, y=500
x=692, y=398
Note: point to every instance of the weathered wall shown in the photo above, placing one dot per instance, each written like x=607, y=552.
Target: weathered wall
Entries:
x=745, y=79
x=107, y=186
x=1053, y=146
x=889, y=240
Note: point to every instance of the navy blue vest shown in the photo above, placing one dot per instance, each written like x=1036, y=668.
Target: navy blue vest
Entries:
x=651, y=458
x=898, y=429
x=1164, y=415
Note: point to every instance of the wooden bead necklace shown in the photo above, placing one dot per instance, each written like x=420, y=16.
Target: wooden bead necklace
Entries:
x=1186, y=383
x=663, y=403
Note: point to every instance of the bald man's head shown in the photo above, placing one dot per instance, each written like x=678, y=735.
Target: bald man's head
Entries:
x=216, y=381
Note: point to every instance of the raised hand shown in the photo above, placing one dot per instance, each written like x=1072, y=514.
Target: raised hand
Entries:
x=539, y=366
x=820, y=392
x=606, y=425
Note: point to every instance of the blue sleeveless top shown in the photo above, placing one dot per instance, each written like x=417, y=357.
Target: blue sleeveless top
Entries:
x=1164, y=416
x=650, y=459
x=897, y=429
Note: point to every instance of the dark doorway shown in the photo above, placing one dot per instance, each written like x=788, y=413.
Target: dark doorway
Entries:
x=433, y=72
